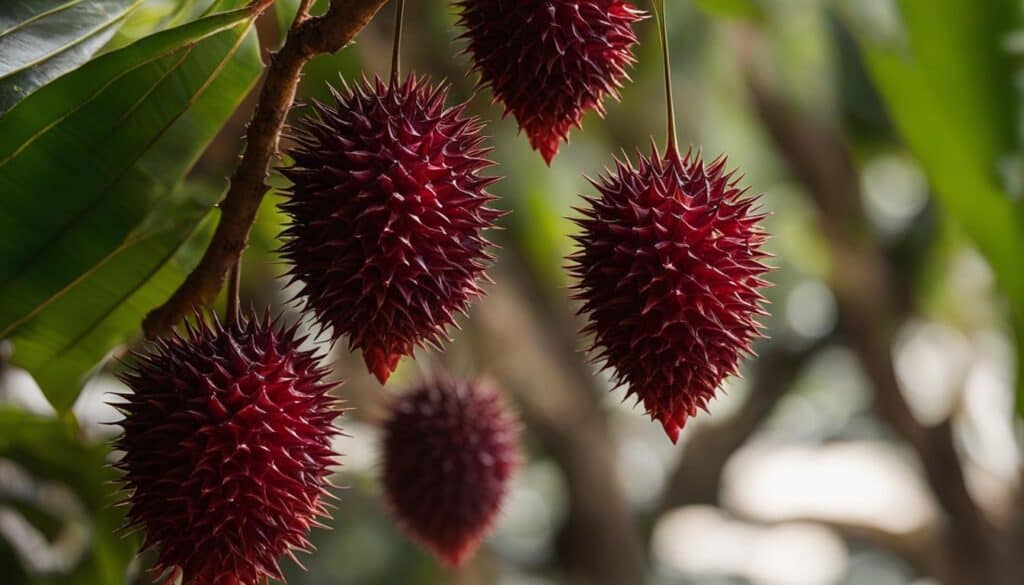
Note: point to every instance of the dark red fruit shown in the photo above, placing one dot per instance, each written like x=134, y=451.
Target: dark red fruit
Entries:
x=668, y=268
x=387, y=211
x=549, y=61
x=450, y=449
x=227, y=449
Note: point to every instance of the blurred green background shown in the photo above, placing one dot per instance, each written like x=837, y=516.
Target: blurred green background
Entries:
x=873, y=441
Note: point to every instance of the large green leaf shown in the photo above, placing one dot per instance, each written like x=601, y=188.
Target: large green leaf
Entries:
x=43, y=39
x=63, y=342
x=47, y=450
x=948, y=82
x=83, y=164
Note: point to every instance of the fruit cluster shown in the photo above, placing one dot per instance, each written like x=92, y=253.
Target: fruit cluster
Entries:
x=228, y=426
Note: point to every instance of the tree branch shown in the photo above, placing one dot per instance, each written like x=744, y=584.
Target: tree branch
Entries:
x=309, y=37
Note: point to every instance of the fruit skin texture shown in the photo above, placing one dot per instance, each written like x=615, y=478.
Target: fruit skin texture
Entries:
x=549, y=61
x=450, y=449
x=668, y=268
x=387, y=210
x=227, y=449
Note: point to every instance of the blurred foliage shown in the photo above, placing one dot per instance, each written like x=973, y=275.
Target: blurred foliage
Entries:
x=741, y=9
x=55, y=458
x=948, y=79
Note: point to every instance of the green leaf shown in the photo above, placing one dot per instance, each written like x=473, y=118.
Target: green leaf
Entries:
x=83, y=164
x=41, y=40
x=65, y=340
x=156, y=15
x=947, y=79
x=46, y=449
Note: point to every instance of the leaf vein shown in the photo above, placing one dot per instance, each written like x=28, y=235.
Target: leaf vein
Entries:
x=104, y=25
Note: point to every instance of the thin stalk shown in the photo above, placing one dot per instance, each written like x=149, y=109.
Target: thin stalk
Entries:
x=302, y=14
x=397, y=50
x=661, y=15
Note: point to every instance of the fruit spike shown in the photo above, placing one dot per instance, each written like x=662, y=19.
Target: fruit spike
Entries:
x=227, y=449
x=387, y=210
x=450, y=449
x=668, y=268
x=549, y=61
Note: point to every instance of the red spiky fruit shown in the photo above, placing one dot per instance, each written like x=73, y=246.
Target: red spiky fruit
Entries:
x=669, y=265
x=387, y=210
x=227, y=449
x=450, y=449
x=549, y=61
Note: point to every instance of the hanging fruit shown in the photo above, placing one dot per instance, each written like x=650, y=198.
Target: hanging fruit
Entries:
x=387, y=212
x=450, y=450
x=227, y=449
x=550, y=61
x=668, y=270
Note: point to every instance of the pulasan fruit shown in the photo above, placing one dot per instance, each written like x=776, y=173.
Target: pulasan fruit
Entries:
x=668, y=267
x=387, y=210
x=227, y=449
x=550, y=61
x=450, y=449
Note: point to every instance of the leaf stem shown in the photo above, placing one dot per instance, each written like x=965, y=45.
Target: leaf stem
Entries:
x=661, y=15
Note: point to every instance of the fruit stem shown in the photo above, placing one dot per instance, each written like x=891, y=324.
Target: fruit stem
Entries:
x=234, y=282
x=397, y=50
x=661, y=15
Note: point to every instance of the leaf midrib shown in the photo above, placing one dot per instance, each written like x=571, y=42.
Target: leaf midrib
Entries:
x=103, y=25
x=41, y=16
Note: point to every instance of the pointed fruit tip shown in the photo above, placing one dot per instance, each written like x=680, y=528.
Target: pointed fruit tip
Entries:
x=672, y=430
x=381, y=364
